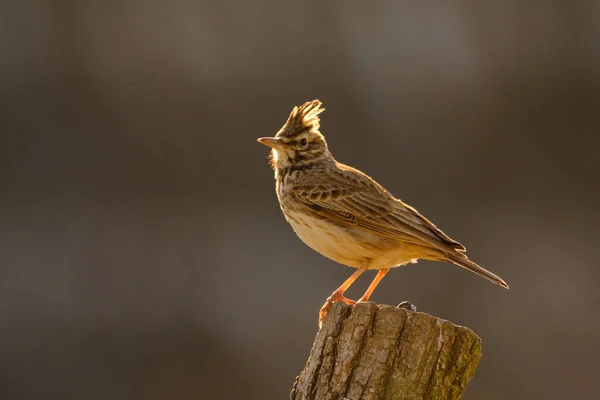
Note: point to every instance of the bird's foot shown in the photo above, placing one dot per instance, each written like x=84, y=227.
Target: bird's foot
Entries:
x=363, y=299
x=407, y=305
x=330, y=300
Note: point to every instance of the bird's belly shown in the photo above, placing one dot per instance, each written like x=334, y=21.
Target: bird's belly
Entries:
x=348, y=245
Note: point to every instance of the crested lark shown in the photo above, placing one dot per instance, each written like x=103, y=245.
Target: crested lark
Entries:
x=345, y=215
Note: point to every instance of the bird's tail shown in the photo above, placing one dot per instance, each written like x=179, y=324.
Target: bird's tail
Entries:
x=463, y=261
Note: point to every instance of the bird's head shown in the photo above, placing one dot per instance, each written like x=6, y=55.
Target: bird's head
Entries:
x=299, y=142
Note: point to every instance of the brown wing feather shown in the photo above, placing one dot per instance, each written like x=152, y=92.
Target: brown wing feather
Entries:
x=357, y=200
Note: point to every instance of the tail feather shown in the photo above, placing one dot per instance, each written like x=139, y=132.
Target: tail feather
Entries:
x=462, y=261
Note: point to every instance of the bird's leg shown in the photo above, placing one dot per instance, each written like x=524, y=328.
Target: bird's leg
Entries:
x=339, y=294
x=380, y=274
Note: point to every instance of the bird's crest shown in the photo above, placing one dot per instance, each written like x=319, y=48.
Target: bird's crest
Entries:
x=305, y=117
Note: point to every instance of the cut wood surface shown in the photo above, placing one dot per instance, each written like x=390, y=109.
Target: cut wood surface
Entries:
x=383, y=352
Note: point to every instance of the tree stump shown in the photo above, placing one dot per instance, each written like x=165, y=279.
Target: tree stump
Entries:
x=384, y=352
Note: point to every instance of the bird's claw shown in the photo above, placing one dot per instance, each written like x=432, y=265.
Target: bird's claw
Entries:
x=330, y=300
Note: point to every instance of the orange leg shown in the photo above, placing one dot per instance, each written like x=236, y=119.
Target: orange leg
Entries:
x=380, y=274
x=339, y=294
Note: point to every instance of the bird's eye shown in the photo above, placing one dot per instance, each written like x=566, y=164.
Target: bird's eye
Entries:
x=303, y=142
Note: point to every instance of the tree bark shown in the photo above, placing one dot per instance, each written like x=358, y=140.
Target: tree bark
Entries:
x=384, y=352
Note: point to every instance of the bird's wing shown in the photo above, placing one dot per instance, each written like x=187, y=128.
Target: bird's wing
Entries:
x=352, y=198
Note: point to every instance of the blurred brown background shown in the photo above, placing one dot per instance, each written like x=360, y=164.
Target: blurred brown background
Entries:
x=143, y=254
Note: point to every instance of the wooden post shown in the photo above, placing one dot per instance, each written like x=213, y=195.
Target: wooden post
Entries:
x=383, y=352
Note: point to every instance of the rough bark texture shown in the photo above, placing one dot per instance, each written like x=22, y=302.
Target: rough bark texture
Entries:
x=384, y=352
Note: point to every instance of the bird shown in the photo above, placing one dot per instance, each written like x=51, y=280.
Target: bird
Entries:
x=345, y=215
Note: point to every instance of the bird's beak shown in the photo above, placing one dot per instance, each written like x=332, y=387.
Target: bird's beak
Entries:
x=273, y=143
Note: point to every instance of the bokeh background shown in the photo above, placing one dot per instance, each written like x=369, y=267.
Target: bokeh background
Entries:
x=143, y=254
